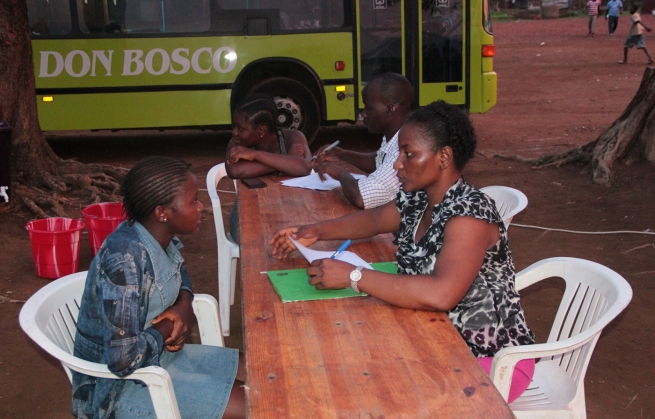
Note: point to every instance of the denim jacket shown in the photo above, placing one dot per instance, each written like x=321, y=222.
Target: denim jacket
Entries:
x=111, y=330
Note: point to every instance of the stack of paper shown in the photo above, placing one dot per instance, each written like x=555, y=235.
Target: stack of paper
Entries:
x=345, y=256
x=313, y=181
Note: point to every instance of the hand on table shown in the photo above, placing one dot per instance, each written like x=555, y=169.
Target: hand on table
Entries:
x=240, y=152
x=330, y=274
x=282, y=246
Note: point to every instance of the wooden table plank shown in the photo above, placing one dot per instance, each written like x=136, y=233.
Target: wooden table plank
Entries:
x=350, y=357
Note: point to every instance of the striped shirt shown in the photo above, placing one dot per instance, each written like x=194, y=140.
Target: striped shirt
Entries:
x=593, y=7
x=382, y=185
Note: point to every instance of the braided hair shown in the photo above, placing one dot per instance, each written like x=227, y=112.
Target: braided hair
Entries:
x=152, y=182
x=258, y=110
x=446, y=125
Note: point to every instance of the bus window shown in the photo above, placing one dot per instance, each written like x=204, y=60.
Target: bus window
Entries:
x=381, y=38
x=486, y=17
x=49, y=17
x=285, y=15
x=442, y=41
x=102, y=16
x=167, y=16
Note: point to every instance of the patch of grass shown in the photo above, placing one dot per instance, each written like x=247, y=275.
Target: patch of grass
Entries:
x=514, y=14
x=500, y=16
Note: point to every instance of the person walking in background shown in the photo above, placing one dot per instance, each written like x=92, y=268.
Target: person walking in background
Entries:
x=614, y=9
x=636, y=37
x=592, y=5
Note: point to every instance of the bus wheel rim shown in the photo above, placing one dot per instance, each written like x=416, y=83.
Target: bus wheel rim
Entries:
x=289, y=113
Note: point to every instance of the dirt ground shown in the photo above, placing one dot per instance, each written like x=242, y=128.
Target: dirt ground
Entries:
x=557, y=88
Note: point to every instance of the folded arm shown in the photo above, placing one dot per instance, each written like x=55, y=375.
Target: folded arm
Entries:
x=243, y=162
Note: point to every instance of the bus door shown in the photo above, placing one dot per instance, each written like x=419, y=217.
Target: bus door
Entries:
x=421, y=39
x=442, y=51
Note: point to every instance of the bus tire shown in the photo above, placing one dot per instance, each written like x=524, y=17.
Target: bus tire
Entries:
x=297, y=106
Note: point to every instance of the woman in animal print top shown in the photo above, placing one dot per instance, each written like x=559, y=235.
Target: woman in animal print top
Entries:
x=453, y=254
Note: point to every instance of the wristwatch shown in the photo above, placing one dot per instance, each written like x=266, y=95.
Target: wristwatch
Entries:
x=355, y=276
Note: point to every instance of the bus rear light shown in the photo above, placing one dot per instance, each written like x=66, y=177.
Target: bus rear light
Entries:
x=488, y=50
x=340, y=88
x=48, y=98
x=339, y=65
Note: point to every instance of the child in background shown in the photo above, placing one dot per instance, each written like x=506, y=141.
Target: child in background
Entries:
x=636, y=37
x=592, y=5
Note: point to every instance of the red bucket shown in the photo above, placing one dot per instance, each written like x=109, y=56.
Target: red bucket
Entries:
x=101, y=220
x=55, y=246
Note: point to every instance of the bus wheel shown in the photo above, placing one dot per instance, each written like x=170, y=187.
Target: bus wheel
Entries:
x=297, y=106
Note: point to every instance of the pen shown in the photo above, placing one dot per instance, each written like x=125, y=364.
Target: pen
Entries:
x=341, y=248
x=331, y=146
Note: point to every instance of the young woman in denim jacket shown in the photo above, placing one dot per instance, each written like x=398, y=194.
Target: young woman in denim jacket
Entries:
x=136, y=307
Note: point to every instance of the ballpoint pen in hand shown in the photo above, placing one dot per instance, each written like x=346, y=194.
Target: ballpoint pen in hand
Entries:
x=331, y=146
x=341, y=248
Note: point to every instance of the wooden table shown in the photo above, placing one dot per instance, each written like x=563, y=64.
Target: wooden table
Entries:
x=351, y=357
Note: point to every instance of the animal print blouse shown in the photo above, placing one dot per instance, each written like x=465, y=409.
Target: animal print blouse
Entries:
x=489, y=317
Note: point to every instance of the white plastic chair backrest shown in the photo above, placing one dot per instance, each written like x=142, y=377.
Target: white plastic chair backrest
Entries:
x=214, y=175
x=509, y=201
x=593, y=297
x=49, y=317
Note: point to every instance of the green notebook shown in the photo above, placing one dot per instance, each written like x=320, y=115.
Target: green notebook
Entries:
x=291, y=285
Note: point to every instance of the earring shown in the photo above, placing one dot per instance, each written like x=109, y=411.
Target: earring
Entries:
x=164, y=220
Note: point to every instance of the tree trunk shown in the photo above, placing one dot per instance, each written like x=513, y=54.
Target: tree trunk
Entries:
x=41, y=182
x=630, y=138
x=30, y=155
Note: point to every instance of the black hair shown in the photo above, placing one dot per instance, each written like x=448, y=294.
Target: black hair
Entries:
x=444, y=125
x=152, y=182
x=258, y=110
x=394, y=88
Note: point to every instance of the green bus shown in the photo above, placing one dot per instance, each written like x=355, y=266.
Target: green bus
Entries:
x=119, y=64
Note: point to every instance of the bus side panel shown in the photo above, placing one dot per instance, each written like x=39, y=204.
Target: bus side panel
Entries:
x=340, y=110
x=489, y=91
x=169, y=81
x=134, y=110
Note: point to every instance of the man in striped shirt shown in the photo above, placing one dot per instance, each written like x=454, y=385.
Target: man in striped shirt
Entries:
x=592, y=5
x=388, y=101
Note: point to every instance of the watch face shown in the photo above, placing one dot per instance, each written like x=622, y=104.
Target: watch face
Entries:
x=355, y=275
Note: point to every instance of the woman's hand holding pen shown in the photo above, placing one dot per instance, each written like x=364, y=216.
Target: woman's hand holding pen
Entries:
x=282, y=246
x=329, y=153
x=330, y=274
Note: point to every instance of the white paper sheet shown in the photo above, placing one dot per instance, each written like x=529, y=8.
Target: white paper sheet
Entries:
x=345, y=256
x=313, y=181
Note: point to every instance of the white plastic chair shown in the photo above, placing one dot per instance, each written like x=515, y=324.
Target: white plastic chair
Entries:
x=509, y=201
x=228, y=250
x=594, y=296
x=49, y=318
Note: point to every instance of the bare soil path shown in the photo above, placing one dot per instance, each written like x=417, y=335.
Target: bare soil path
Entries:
x=558, y=88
